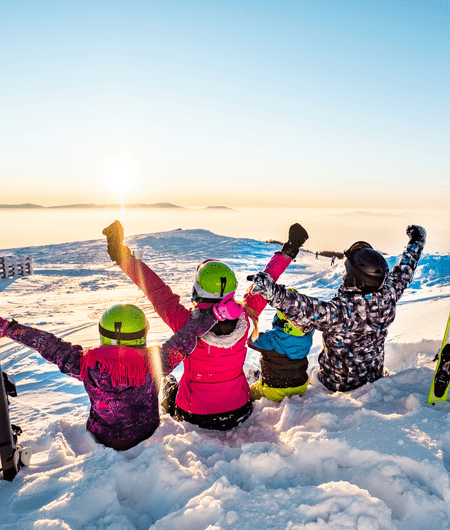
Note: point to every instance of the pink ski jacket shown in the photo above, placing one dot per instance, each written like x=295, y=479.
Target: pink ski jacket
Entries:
x=213, y=381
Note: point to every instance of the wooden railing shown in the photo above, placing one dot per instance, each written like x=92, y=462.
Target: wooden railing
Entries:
x=14, y=266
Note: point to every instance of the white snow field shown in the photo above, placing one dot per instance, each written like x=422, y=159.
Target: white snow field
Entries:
x=375, y=458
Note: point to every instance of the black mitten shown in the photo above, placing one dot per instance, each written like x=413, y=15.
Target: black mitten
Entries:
x=114, y=237
x=297, y=236
x=416, y=234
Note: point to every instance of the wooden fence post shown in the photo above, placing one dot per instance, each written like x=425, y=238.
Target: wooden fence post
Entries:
x=13, y=266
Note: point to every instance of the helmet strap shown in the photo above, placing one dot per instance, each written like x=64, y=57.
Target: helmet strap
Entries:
x=117, y=328
x=117, y=335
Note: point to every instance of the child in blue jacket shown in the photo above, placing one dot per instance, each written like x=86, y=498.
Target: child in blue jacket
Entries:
x=284, y=360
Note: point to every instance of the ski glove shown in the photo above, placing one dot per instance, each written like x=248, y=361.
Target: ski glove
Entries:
x=297, y=237
x=416, y=234
x=263, y=285
x=228, y=308
x=114, y=237
x=3, y=326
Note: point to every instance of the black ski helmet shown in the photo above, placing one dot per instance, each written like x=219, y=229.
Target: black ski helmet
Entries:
x=366, y=268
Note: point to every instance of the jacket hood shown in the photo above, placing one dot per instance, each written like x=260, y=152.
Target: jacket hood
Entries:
x=126, y=366
x=293, y=346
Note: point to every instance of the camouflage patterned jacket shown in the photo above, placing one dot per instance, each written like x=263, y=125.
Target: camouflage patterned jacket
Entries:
x=353, y=325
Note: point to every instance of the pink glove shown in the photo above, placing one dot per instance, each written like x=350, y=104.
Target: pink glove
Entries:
x=228, y=308
x=3, y=326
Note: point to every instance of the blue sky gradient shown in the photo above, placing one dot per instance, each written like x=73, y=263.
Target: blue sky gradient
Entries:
x=269, y=103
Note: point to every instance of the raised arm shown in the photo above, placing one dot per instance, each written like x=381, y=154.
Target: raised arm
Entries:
x=53, y=349
x=402, y=274
x=164, y=300
x=277, y=265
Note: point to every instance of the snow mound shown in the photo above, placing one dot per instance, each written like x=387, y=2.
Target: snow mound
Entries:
x=377, y=458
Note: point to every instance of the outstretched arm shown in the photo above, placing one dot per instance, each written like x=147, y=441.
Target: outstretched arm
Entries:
x=402, y=274
x=63, y=354
x=164, y=300
x=166, y=303
x=305, y=311
x=183, y=343
x=277, y=265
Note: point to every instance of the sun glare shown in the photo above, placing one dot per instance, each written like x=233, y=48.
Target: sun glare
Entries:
x=120, y=177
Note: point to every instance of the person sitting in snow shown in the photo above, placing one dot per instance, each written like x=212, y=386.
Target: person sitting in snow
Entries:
x=213, y=392
x=284, y=360
x=122, y=375
x=354, y=322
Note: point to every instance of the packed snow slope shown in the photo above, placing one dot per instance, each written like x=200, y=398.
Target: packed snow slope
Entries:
x=375, y=458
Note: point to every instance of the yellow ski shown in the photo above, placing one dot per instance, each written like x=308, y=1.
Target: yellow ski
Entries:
x=441, y=379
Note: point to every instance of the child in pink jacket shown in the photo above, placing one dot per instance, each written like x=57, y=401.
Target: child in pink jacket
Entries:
x=213, y=392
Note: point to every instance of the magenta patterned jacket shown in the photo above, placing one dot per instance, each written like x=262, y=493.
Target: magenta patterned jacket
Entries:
x=124, y=399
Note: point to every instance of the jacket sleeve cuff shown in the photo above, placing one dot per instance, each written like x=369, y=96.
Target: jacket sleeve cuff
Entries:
x=4, y=324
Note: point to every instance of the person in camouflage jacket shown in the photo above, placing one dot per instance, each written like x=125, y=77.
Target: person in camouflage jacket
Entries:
x=355, y=321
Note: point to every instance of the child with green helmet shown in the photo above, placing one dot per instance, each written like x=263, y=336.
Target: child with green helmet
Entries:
x=213, y=391
x=121, y=376
x=118, y=375
x=284, y=360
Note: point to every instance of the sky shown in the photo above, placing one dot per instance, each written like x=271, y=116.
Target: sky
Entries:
x=253, y=104
x=376, y=458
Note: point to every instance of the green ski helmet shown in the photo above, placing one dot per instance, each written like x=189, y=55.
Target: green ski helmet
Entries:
x=286, y=325
x=214, y=280
x=123, y=324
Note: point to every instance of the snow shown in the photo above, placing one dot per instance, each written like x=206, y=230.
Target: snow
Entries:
x=372, y=459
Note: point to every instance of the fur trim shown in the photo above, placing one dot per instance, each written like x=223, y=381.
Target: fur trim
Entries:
x=228, y=341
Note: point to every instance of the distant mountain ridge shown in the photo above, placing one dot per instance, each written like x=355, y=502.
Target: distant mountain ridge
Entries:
x=92, y=205
x=26, y=205
x=162, y=205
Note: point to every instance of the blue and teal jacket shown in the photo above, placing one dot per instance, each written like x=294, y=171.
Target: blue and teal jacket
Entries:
x=283, y=359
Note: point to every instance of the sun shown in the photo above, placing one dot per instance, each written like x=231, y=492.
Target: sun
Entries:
x=120, y=177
